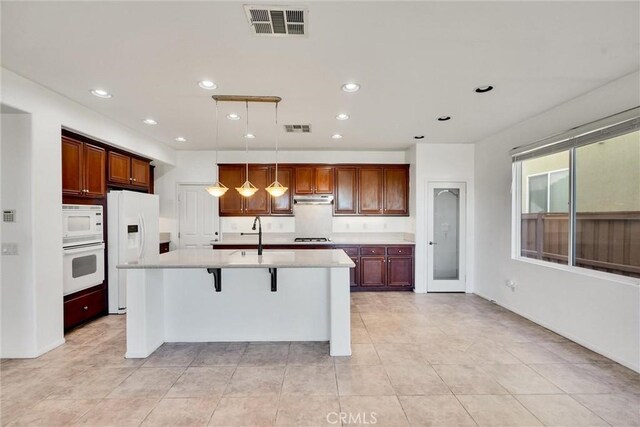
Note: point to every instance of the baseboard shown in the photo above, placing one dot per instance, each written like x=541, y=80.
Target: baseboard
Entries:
x=575, y=339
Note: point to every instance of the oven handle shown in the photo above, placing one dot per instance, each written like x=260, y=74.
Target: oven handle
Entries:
x=77, y=250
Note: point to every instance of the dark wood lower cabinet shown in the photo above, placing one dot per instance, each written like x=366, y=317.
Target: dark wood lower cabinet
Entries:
x=81, y=308
x=377, y=268
x=373, y=271
x=399, y=271
x=164, y=247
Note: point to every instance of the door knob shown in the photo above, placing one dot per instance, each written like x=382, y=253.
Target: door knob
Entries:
x=432, y=243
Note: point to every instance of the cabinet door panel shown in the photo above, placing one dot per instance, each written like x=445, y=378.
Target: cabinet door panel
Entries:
x=72, y=168
x=304, y=180
x=232, y=202
x=370, y=191
x=346, y=191
x=324, y=180
x=139, y=172
x=119, y=168
x=396, y=191
x=354, y=272
x=258, y=204
x=283, y=205
x=400, y=271
x=94, y=171
x=372, y=271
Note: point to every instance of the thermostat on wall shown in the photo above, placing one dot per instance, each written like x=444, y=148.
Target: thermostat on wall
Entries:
x=9, y=215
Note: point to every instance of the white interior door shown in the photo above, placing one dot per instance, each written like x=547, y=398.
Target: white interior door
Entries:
x=197, y=216
x=446, y=247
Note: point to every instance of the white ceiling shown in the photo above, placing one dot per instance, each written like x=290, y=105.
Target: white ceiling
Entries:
x=415, y=61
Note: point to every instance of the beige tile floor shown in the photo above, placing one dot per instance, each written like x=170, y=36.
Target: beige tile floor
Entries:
x=420, y=360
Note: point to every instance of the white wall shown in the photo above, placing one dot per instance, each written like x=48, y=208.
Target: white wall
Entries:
x=49, y=113
x=17, y=293
x=440, y=163
x=199, y=167
x=600, y=313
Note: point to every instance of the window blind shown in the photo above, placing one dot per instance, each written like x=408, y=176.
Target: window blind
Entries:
x=609, y=127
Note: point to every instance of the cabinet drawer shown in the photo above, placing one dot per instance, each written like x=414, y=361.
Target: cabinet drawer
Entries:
x=371, y=250
x=351, y=251
x=85, y=307
x=400, y=250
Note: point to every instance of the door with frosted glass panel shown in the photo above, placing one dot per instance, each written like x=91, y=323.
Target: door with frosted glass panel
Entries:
x=446, y=237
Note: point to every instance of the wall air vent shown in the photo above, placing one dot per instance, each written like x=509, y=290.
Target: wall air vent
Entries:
x=277, y=21
x=297, y=128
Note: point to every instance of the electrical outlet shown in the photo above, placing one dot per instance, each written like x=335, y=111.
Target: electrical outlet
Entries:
x=9, y=249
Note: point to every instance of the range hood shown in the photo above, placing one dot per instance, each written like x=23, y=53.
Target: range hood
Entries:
x=313, y=199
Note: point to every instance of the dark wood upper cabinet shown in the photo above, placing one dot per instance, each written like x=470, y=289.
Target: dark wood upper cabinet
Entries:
x=95, y=159
x=346, y=197
x=283, y=205
x=314, y=180
x=119, y=168
x=323, y=180
x=72, y=169
x=357, y=189
x=370, y=190
x=259, y=203
x=372, y=271
x=139, y=172
x=83, y=169
x=232, y=202
x=400, y=271
x=396, y=191
x=304, y=180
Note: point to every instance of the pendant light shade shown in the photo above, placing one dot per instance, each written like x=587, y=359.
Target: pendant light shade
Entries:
x=247, y=189
x=276, y=189
x=217, y=189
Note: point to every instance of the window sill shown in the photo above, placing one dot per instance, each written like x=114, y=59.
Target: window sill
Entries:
x=579, y=270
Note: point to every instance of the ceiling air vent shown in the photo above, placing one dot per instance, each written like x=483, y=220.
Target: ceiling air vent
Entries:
x=277, y=21
x=298, y=128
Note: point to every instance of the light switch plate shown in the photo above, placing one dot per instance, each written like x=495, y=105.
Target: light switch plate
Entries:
x=9, y=249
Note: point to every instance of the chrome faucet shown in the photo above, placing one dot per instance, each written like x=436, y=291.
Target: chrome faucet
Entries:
x=257, y=219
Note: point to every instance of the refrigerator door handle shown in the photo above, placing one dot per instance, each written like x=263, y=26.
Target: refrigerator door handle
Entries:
x=143, y=233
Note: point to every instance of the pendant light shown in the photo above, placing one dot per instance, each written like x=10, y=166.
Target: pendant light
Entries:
x=217, y=189
x=276, y=189
x=247, y=189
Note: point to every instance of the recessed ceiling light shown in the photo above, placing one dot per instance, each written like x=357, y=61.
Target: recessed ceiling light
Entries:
x=250, y=136
x=351, y=87
x=233, y=116
x=149, y=122
x=101, y=93
x=342, y=116
x=418, y=137
x=207, y=84
x=483, y=89
x=336, y=136
x=444, y=118
x=181, y=139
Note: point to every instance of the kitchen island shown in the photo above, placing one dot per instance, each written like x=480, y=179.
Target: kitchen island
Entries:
x=200, y=295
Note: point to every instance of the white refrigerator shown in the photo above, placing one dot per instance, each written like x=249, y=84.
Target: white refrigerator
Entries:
x=133, y=234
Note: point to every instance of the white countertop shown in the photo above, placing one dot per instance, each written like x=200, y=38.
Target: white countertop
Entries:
x=208, y=258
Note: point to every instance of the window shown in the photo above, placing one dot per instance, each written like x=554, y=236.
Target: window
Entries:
x=578, y=198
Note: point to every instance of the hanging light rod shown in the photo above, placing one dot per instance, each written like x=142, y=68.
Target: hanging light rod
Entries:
x=241, y=98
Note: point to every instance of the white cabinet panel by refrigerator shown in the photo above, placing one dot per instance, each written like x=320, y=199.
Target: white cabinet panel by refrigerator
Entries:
x=133, y=233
